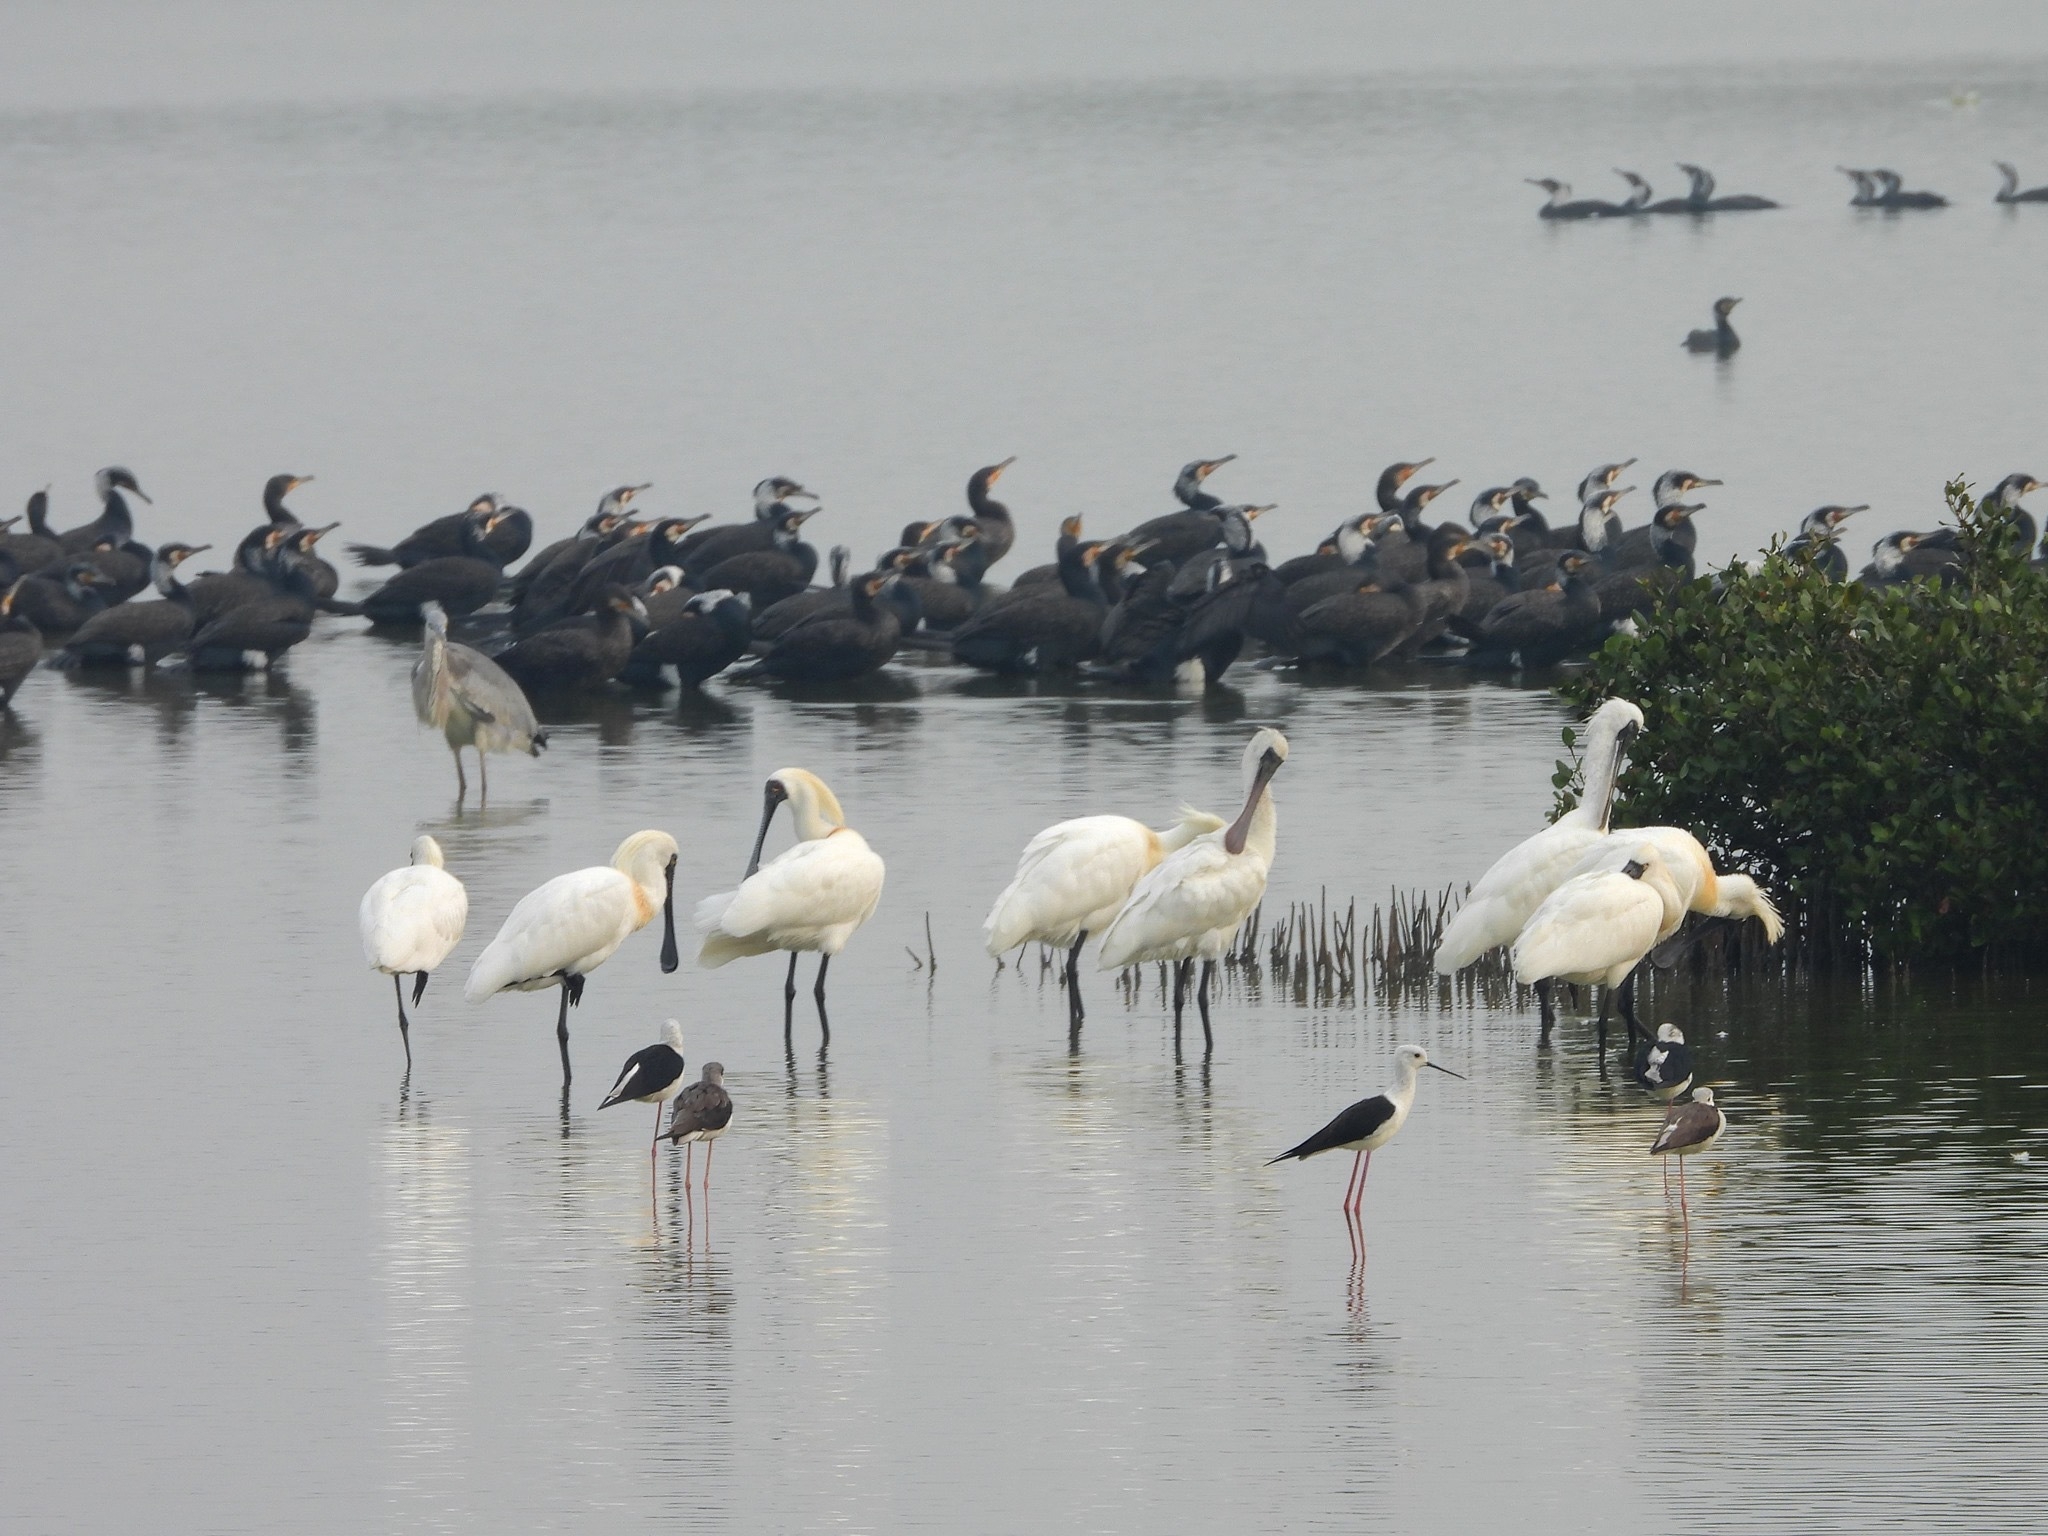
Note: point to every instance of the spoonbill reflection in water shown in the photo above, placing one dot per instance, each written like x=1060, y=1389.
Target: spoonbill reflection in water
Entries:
x=410, y=920
x=811, y=897
x=562, y=931
x=1188, y=906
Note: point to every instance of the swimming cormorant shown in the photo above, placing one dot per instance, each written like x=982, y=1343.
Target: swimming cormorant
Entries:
x=2011, y=193
x=1562, y=206
x=1721, y=340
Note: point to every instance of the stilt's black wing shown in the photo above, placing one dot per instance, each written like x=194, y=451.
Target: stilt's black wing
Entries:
x=645, y=1073
x=1354, y=1124
x=1659, y=1066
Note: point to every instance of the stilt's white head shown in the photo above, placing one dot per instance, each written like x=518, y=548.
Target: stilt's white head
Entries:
x=672, y=1032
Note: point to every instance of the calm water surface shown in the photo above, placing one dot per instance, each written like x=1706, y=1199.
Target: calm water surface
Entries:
x=956, y=1275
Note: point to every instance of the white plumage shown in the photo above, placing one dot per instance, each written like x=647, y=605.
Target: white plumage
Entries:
x=1192, y=901
x=410, y=919
x=1701, y=888
x=1500, y=904
x=562, y=931
x=1075, y=876
x=1596, y=927
x=812, y=897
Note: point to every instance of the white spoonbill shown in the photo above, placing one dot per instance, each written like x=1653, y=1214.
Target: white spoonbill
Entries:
x=1192, y=901
x=1499, y=906
x=471, y=701
x=1701, y=888
x=1075, y=876
x=809, y=897
x=565, y=929
x=1369, y=1124
x=410, y=919
x=652, y=1076
x=1596, y=928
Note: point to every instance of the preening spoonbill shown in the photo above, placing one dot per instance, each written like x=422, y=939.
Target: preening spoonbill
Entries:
x=1075, y=876
x=1596, y=928
x=1499, y=906
x=1664, y=1065
x=1689, y=1128
x=1700, y=887
x=562, y=931
x=1369, y=1124
x=651, y=1076
x=471, y=701
x=410, y=919
x=1192, y=901
x=702, y=1113
x=809, y=897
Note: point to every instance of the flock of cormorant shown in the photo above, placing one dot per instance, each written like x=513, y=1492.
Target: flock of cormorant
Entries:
x=635, y=599
x=1877, y=188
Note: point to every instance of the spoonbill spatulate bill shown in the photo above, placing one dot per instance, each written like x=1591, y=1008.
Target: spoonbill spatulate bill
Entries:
x=811, y=897
x=1188, y=906
x=562, y=931
x=410, y=919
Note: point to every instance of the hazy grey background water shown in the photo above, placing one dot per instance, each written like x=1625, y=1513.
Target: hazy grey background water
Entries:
x=955, y=1277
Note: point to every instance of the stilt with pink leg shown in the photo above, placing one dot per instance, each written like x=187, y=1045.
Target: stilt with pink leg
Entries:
x=1370, y=1123
x=651, y=1076
x=1688, y=1128
x=702, y=1113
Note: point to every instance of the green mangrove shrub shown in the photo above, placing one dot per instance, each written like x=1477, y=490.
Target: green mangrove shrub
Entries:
x=1878, y=754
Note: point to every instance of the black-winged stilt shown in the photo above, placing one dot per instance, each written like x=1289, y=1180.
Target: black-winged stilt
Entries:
x=1369, y=1124
x=651, y=1076
x=702, y=1113
x=1689, y=1128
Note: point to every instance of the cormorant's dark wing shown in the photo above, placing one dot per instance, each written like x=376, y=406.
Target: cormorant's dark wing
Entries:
x=1353, y=1124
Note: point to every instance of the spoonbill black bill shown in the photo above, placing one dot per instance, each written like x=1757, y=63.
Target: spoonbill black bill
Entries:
x=1073, y=879
x=471, y=701
x=1596, y=928
x=1689, y=1128
x=1508, y=894
x=1369, y=1124
x=1190, y=903
x=810, y=897
x=651, y=1076
x=410, y=920
x=562, y=931
x=702, y=1112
